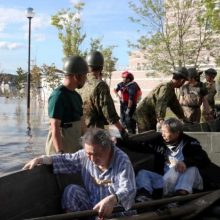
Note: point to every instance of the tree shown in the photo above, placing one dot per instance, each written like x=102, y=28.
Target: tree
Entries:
x=52, y=77
x=176, y=32
x=20, y=79
x=68, y=24
x=36, y=76
x=212, y=14
x=107, y=52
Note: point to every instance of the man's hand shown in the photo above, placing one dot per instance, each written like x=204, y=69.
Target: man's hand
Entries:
x=105, y=206
x=180, y=167
x=33, y=163
x=159, y=124
x=127, y=112
x=187, y=121
x=124, y=134
x=209, y=116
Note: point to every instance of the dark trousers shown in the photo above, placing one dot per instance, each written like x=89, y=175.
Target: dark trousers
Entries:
x=127, y=120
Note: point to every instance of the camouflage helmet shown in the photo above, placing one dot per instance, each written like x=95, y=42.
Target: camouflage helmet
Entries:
x=192, y=73
x=182, y=72
x=211, y=72
x=95, y=59
x=75, y=65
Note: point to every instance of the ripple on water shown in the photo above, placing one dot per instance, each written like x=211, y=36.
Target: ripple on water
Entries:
x=17, y=143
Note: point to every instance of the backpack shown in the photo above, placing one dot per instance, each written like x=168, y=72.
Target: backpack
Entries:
x=139, y=94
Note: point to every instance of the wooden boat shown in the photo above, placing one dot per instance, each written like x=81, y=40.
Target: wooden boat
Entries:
x=35, y=194
x=210, y=126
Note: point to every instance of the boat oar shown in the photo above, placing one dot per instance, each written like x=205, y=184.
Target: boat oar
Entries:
x=137, y=206
x=203, y=203
x=164, y=201
x=186, y=211
x=165, y=214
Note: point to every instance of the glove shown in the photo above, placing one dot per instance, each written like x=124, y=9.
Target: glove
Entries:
x=187, y=121
x=127, y=111
x=209, y=116
x=158, y=126
x=159, y=123
x=124, y=134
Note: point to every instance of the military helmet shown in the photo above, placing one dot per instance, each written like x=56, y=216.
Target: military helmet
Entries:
x=211, y=71
x=95, y=59
x=192, y=73
x=182, y=72
x=128, y=75
x=75, y=65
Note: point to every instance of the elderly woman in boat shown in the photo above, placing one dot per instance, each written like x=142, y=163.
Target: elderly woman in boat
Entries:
x=106, y=171
x=181, y=165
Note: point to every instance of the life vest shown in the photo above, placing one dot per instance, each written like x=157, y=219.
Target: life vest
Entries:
x=125, y=93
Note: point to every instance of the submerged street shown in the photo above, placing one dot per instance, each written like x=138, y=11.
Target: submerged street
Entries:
x=18, y=143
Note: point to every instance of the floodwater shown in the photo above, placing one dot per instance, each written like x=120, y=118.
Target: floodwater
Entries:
x=20, y=140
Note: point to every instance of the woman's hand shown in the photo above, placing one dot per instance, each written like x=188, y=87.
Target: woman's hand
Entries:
x=180, y=167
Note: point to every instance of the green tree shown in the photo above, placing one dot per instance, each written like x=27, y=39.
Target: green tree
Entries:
x=110, y=60
x=175, y=33
x=36, y=77
x=52, y=76
x=68, y=23
x=212, y=15
x=20, y=79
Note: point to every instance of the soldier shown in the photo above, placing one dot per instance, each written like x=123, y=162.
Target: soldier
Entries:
x=65, y=109
x=152, y=109
x=192, y=96
x=210, y=75
x=129, y=95
x=98, y=106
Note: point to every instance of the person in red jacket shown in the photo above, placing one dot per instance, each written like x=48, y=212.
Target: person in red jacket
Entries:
x=129, y=94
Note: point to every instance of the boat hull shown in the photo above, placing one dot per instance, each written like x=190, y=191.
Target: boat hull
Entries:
x=37, y=192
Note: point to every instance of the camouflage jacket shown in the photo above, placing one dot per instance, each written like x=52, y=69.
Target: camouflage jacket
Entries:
x=191, y=96
x=98, y=105
x=211, y=93
x=159, y=99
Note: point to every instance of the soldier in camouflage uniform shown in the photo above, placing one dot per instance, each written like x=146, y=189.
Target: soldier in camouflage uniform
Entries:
x=98, y=106
x=192, y=95
x=210, y=75
x=152, y=109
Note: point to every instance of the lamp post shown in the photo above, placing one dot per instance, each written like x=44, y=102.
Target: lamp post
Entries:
x=29, y=14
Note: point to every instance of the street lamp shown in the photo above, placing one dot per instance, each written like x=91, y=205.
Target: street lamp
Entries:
x=29, y=14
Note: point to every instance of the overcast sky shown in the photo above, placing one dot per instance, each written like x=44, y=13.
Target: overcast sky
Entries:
x=100, y=18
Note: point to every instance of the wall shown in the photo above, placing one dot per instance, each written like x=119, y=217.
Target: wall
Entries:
x=210, y=143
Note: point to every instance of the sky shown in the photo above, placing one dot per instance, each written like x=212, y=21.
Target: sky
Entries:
x=100, y=19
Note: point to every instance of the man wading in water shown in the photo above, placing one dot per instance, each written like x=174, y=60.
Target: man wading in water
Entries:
x=65, y=109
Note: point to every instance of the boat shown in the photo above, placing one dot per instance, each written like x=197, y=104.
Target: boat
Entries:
x=35, y=194
x=209, y=126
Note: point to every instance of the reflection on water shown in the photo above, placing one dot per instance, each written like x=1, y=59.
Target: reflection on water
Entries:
x=21, y=140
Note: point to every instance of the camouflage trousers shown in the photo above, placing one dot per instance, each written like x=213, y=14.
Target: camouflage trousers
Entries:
x=193, y=114
x=145, y=121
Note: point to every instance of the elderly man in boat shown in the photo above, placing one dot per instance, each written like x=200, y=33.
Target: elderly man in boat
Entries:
x=106, y=171
x=181, y=165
